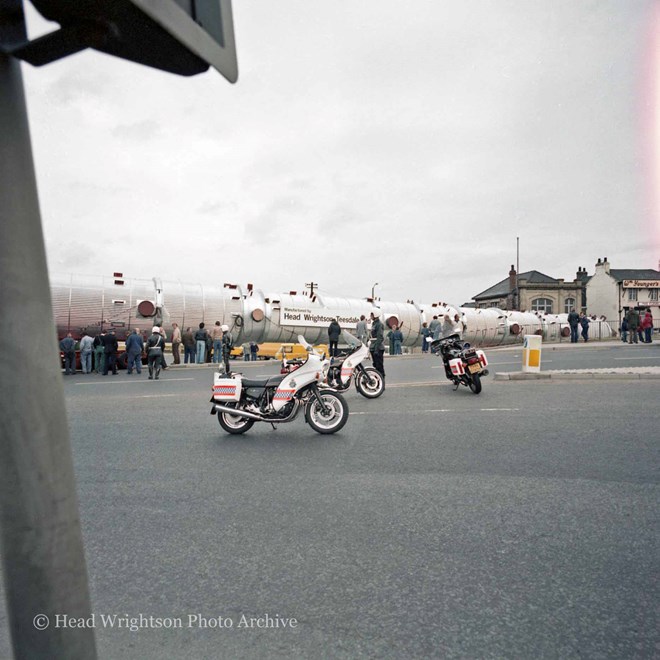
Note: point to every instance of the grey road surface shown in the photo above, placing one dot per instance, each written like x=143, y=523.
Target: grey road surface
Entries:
x=518, y=523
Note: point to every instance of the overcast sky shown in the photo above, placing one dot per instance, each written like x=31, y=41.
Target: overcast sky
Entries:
x=365, y=141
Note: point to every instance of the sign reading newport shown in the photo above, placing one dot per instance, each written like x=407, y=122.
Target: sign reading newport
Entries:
x=641, y=284
x=315, y=318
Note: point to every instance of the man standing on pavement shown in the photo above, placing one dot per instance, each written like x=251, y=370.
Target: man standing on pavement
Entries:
x=68, y=348
x=227, y=344
x=216, y=338
x=633, y=324
x=435, y=327
x=110, y=348
x=574, y=322
x=86, y=348
x=361, y=329
x=134, y=349
x=377, y=346
x=155, y=345
x=99, y=355
x=334, y=330
x=188, y=346
x=176, y=343
x=200, y=339
x=584, y=322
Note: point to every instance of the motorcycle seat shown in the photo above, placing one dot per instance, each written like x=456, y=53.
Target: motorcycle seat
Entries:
x=271, y=381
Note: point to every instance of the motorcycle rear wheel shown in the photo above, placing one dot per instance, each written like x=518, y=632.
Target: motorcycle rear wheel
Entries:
x=234, y=424
x=330, y=421
x=475, y=383
x=370, y=383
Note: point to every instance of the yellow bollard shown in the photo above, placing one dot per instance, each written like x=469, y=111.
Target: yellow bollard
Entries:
x=532, y=353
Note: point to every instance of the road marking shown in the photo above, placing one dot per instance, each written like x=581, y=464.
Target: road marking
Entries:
x=648, y=357
x=495, y=364
x=433, y=410
x=154, y=396
x=417, y=384
x=125, y=382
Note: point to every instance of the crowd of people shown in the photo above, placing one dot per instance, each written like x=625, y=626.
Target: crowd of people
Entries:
x=637, y=328
x=100, y=354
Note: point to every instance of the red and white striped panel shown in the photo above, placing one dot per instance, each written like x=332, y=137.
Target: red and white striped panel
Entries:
x=283, y=395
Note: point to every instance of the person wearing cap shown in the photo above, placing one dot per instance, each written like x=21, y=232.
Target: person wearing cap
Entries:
x=377, y=346
x=155, y=345
x=227, y=345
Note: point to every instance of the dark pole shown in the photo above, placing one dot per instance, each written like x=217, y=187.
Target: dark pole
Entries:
x=517, y=305
x=310, y=286
x=42, y=551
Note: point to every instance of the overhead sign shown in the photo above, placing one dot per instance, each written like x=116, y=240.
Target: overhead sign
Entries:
x=180, y=36
x=641, y=284
x=309, y=317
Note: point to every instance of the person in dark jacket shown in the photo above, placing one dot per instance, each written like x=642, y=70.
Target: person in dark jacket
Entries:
x=110, y=348
x=99, y=355
x=633, y=324
x=584, y=322
x=227, y=343
x=155, y=345
x=334, y=330
x=189, y=346
x=134, y=349
x=377, y=347
x=574, y=322
x=68, y=348
x=201, y=337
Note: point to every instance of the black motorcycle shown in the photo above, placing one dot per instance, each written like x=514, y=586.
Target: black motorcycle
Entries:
x=464, y=365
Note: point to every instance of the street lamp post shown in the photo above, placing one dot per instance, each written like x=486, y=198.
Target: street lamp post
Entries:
x=373, y=288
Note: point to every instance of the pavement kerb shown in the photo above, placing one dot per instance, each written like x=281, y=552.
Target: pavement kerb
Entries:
x=579, y=375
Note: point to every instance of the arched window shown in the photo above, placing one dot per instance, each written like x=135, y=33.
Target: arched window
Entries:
x=543, y=305
x=569, y=304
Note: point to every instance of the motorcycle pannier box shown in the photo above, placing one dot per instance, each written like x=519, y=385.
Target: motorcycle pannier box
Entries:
x=227, y=389
x=456, y=367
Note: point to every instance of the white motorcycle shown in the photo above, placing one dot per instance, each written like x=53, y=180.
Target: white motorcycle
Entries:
x=349, y=367
x=240, y=402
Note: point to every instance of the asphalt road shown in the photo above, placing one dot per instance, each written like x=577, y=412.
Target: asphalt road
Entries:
x=518, y=523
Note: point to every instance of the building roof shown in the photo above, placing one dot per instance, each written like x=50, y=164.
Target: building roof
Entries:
x=501, y=289
x=620, y=274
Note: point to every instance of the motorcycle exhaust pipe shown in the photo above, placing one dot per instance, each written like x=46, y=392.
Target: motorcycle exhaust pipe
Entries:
x=238, y=413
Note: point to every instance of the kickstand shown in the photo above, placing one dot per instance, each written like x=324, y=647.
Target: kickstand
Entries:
x=456, y=386
x=274, y=426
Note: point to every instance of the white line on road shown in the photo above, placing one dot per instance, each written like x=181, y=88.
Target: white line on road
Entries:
x=495, y=364
x=435, y=410
x=647, y=357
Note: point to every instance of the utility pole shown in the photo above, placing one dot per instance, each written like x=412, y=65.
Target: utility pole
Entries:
x=42, y=549
x=310, y=286
x=517, y=305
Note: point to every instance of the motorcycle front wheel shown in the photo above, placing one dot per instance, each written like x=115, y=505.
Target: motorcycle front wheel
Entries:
x=475, y=383
x=234, y=424
x=334, y=417
x=369, y=383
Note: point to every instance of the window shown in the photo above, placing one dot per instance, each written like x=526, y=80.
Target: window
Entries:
x=653, y=294
x=569, y=304
x=632, y=294
x=543, y=305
